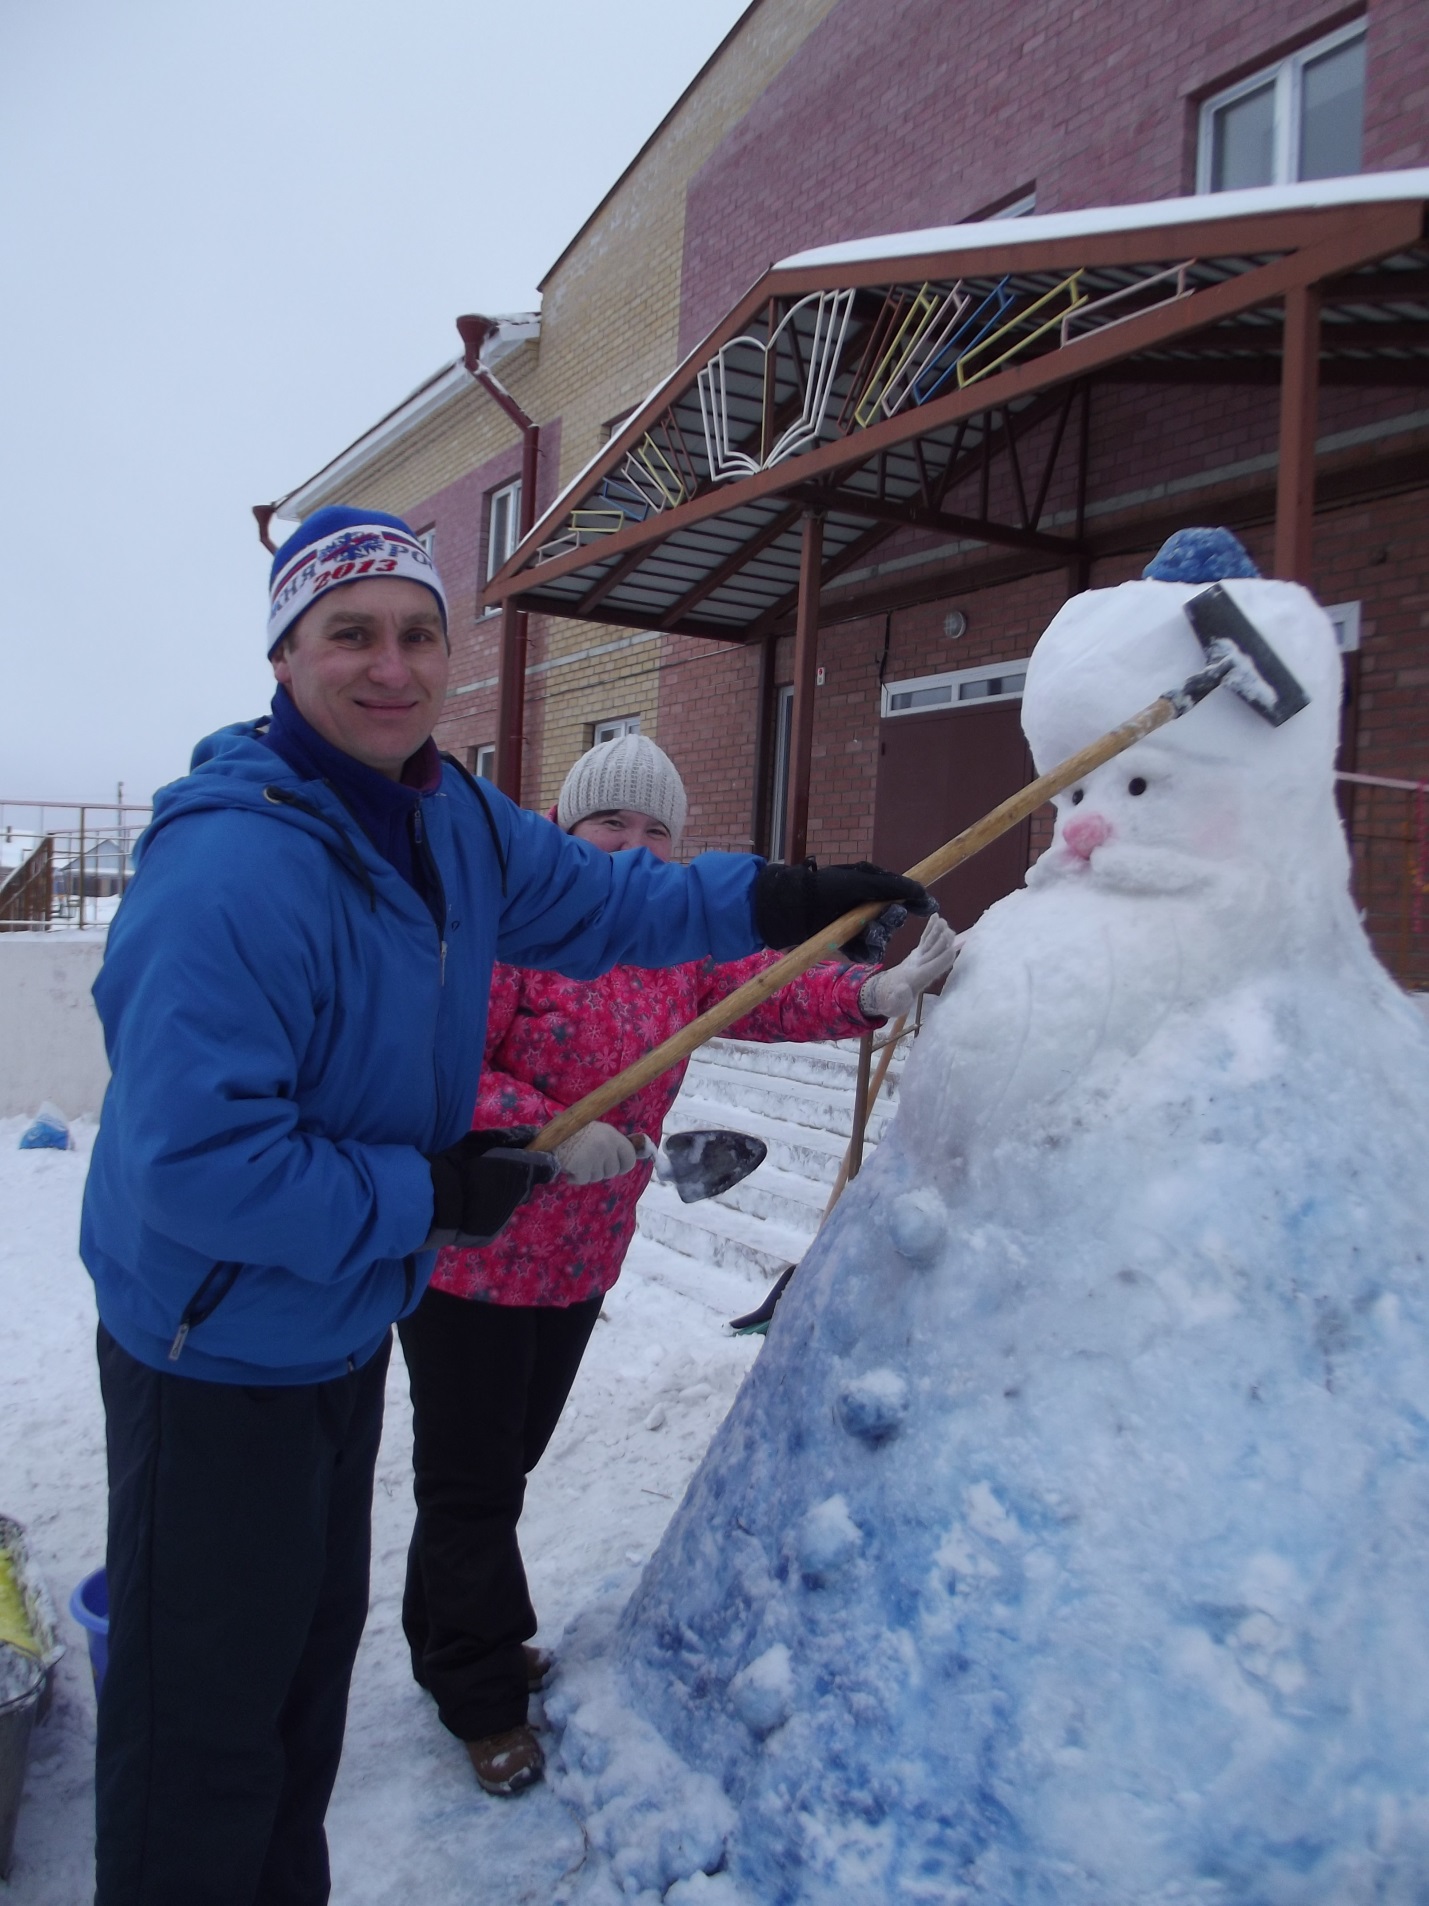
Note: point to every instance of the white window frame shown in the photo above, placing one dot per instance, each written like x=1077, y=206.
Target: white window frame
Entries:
x=482, y=761
x=496, y=554
x=614, y=728
x=1346, y=619
x=1286, y=75
x=952, y=681
x=428, y=539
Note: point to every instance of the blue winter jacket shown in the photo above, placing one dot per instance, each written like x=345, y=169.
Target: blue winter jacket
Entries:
x=290, y=1035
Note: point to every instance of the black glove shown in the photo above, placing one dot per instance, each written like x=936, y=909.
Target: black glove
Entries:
x=478, y=1182
x=792, y=904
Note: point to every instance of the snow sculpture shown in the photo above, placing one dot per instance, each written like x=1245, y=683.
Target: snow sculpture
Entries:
x=1068, y=1542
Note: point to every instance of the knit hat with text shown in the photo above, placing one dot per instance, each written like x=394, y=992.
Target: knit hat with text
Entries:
x=628, y=772
x=338, y=545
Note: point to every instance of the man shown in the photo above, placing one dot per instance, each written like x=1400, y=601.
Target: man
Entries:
x=294, y=997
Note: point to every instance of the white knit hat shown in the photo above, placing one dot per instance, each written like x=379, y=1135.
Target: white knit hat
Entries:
x=628, y=772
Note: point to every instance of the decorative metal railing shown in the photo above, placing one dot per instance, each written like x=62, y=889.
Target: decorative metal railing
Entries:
x=833, y=363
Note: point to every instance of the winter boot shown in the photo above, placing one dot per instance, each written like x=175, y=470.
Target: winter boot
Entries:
x=507, y=1763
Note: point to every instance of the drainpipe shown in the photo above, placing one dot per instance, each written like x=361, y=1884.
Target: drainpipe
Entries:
x=263, y=514
x=475, y=333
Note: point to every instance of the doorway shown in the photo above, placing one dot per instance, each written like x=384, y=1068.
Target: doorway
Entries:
x=937, y=774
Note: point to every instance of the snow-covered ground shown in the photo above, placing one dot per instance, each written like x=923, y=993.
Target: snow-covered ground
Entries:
x=407, y=1821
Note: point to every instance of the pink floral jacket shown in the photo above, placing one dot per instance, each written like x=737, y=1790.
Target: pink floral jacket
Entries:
x=551, y=1040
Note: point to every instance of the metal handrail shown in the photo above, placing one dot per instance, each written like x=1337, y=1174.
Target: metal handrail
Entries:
x=70, y=875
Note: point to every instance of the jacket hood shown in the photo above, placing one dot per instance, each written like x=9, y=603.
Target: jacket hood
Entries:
x=234, y=768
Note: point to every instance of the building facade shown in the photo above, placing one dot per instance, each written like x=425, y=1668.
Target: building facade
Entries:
x=823, y=121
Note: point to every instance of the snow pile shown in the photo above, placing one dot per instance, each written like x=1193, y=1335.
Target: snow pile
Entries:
x=1066, y=1543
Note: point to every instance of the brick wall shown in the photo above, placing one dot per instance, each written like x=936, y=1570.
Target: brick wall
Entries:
x=899, y=114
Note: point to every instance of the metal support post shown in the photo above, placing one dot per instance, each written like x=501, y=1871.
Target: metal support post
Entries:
x=806, y=657
x=1299, y=404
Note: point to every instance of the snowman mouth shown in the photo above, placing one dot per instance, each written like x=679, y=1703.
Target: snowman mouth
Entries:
x=1121, y=867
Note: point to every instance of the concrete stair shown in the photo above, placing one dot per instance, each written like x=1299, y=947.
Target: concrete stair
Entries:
x=799, y=1100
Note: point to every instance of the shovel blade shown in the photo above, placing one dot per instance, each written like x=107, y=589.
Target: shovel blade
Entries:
x=703, y=1164
x=1257, y=675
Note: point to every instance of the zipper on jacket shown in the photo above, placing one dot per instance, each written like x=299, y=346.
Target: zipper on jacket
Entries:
x=204, y=1302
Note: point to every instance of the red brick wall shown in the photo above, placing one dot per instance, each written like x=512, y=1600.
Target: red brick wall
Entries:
x=898, y=114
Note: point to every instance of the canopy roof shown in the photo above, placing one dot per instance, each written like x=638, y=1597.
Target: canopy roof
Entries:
x=878, y=382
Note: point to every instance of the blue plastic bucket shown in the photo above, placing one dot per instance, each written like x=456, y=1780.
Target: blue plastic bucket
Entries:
x=89, y=1605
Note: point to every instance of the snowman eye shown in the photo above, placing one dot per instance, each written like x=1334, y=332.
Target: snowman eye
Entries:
x=1078, y=795
x=1136, y=785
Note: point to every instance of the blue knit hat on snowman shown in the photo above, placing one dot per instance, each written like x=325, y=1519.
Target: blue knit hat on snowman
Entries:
x=338, y=545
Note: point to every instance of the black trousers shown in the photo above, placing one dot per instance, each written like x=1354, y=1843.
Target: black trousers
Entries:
x=489, y=1382
x=239, y=1540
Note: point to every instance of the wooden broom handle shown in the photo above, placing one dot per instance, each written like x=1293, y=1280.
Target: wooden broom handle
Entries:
x=860, y=1126
x=825, y=945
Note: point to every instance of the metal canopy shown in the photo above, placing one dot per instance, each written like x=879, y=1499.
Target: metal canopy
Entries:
x=914, y=389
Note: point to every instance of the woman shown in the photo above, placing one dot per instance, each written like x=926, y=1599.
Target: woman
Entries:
x=494, y=1347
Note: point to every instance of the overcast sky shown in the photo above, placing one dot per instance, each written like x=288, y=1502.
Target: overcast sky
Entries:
x=235, y=233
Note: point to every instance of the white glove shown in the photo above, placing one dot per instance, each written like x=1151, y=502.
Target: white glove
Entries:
x=596, y=1152
x=888, y=995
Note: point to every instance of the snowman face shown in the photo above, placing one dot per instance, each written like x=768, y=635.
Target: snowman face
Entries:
x=1158, y=819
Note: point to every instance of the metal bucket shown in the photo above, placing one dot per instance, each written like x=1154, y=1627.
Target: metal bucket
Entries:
x=22, y=1681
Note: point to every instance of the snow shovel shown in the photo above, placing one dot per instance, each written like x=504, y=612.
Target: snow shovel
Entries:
x=1236, y=653
x=702, y=1164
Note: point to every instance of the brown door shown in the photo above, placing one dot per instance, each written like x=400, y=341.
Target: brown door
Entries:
x=939, y=773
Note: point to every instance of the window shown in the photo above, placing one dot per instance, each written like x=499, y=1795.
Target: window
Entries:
x=779, y=800
x=482, y=761
x=613, y=730
x=995, y=682
x=1011, y=205
x=428, y=539
x=1302, y=118
x=503, y=524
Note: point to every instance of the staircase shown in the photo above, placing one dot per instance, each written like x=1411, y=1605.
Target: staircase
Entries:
x=799, y=1100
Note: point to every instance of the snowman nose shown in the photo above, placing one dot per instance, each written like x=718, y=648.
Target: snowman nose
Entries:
x=1085, y=834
